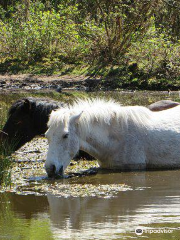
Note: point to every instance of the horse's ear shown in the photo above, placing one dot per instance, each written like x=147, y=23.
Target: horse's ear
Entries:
x=75, y=118
x=26, y=105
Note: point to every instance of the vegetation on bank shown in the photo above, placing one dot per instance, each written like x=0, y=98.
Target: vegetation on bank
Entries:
x=135, y=42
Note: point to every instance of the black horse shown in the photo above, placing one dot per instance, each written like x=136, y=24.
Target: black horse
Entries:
x=27, y=118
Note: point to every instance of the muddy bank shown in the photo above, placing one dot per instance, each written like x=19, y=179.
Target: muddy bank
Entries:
x=33, y=82
x=27, y=82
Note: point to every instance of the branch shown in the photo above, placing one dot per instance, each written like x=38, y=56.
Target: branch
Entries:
x=171, y=5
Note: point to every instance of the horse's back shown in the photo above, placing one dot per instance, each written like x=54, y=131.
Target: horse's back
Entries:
x=169, y=115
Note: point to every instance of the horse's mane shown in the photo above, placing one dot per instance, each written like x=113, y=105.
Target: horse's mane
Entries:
x=104, y=112
x=38, y=105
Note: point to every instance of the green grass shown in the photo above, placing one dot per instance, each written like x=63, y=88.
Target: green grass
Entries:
x=5, y=160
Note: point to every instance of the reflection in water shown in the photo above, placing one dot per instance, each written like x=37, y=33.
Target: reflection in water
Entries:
x=21, y=221
x=154, y=202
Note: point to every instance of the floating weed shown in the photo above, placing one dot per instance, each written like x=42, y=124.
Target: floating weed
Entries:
x=77, y=190
x=29, y=177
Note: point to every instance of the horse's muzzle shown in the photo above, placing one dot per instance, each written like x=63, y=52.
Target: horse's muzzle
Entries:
x=53, y=173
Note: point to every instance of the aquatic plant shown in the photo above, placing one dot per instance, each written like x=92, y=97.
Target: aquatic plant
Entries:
x=5, y=152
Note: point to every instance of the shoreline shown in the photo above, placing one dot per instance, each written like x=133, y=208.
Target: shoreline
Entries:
x=29, y=82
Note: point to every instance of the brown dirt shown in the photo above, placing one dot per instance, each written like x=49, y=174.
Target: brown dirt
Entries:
x=35, y=82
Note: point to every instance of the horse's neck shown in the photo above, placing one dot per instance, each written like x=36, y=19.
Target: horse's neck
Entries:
x=103, y=140
x=94, y=141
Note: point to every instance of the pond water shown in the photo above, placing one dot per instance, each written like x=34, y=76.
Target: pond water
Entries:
x=150, y=203
x=153, y=203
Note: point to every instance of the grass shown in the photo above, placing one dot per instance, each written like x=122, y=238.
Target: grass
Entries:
x=5, y=165
x=5, y=149
x=5, y=160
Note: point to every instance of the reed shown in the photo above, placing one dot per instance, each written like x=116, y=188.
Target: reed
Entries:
x=5, y=152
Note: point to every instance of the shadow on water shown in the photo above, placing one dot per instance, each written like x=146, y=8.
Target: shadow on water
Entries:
x=154, y=202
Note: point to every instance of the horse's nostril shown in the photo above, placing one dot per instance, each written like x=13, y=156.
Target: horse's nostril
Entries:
x=61, y=170
x=53, y=169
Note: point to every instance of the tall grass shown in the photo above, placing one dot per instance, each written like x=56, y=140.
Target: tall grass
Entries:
x=5, y=159
x=5, y=166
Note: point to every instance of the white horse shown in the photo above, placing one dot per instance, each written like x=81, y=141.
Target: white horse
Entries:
x=124, y=138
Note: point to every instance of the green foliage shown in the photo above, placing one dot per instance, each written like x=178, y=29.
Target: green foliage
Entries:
x=38, y=36
x=156, y=56
x=58, y=36
x=168, y=19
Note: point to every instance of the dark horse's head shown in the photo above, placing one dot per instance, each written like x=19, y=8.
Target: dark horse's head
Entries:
x=27, y=118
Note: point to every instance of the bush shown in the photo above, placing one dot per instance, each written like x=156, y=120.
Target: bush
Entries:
x=44, y=33
x=156, y=55
x=46, y=36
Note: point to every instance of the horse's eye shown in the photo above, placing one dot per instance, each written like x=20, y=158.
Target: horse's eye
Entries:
x=65, y=135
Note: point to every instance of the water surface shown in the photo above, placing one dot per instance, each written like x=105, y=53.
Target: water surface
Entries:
x=154, y=203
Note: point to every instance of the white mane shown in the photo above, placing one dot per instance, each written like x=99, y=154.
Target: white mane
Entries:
x=104, y=112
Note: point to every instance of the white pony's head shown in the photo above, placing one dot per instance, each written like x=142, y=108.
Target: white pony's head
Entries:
x=62, y=135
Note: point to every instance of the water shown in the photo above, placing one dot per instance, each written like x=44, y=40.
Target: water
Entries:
x=154, y=203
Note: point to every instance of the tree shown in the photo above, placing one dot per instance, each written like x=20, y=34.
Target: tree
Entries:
x=121, y=23
x=168, y=19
